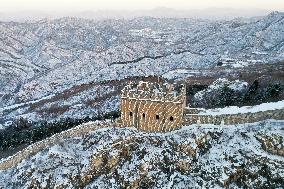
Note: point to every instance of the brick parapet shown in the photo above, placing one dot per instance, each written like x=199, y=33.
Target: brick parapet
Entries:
x=231, y=119
x=38, y=146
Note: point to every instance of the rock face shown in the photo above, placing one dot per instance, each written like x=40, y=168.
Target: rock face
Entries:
x=244, y=156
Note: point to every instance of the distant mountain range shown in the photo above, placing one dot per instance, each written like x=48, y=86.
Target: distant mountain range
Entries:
x=159, y=12
x=65, y=66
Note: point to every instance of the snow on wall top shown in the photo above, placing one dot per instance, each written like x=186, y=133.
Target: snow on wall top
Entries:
x=245, y=109
x=153, y=91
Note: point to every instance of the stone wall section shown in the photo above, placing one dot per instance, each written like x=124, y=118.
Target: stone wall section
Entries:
x=152, y=107
x=169, y=109
x=173, y=118
x=188, y=110
x=232, y=119
x=152, y=116
x=128, y=106
x=38, y=146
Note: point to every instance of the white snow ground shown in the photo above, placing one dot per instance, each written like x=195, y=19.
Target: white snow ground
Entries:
x=244, y=109
x=154, y=160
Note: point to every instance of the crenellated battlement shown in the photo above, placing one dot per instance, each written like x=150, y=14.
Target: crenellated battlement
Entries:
x=154, y=92
x=156, y=107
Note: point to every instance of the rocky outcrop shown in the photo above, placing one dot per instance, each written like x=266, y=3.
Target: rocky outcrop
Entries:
x=192, y=157
x=273, y=144
x=102, y=156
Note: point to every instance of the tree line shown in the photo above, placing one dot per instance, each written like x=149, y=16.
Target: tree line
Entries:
x=24, y=131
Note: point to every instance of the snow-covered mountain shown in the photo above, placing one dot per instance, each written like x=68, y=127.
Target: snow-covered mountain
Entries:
x=48, y=58
x=158, y=12
x=243, y=156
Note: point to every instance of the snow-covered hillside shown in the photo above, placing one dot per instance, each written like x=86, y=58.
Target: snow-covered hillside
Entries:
x=219, y=84
x=48, y=57
x=243, y=156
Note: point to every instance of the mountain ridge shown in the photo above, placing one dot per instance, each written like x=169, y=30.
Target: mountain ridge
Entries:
x=50, y=56
x=192, y=157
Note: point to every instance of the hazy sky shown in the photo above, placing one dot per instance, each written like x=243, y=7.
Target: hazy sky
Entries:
x=83, y=5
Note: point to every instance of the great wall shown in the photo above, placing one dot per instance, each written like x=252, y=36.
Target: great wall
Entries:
x=153, y=107
x=156, y=107
x=38, y=146
x=140, y=106
x=233, y=119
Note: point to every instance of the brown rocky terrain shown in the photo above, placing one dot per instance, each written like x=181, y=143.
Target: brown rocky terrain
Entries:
x=243, y=156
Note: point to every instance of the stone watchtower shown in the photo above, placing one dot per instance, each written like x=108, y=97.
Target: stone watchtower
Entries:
x=153, y=107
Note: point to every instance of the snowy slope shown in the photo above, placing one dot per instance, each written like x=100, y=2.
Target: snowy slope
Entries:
x=49, y=57
x=192, y=157
x=52, y=55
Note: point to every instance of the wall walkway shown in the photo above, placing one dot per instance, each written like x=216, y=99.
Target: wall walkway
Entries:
x=231, y=119
x=191, y=116
x=38, y=146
